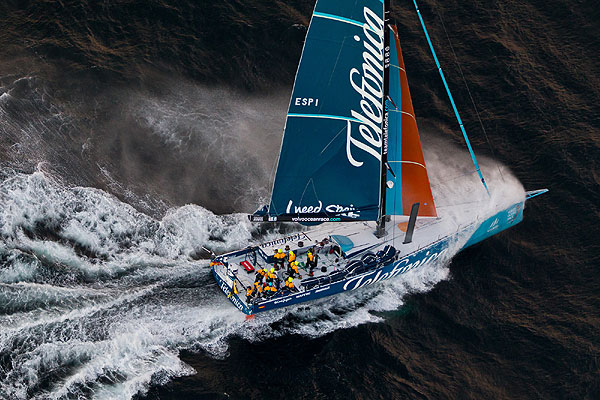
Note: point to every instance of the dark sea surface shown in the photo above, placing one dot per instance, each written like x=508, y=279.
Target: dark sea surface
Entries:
x=129, y=131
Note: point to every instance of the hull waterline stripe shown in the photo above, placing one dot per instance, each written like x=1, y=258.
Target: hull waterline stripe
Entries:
x=343, y=19
x=340, y=118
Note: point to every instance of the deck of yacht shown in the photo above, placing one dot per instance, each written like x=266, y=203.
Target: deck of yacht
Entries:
x=335, y=245
x=329, y=259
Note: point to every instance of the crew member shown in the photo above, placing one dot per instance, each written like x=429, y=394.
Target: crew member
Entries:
x=311, y=262
x=234, y=291
x=290, y=285
x=291, y=259
x=249, y=292
x=279, y=259
x=270, y=290
x=271, y=276
x=260, y=275
x=294, y=269
x=258, y=286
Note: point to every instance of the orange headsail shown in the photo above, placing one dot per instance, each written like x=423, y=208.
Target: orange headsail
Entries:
x=409, y=163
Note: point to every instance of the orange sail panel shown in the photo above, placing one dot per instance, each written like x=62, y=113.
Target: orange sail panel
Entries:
x=411, y=166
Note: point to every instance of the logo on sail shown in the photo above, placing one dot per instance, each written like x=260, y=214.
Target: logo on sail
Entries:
x=369, y=84
x=339, y=210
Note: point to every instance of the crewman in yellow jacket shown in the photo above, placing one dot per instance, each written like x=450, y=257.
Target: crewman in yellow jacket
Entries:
x=279, y=259
x=249, y=292
x=258, y=286
x=271, y=276
x=290, y=285
x=311, y=262
x=291, y=257
x=233, y=291
x=261, y=274
x=270, y=290
x=294, y=269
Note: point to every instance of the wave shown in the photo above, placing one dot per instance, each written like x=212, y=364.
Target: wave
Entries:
x=98, y=299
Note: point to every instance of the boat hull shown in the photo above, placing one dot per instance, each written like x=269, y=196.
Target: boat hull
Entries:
x=468, y=236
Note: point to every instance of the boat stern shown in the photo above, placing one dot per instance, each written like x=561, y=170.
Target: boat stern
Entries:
x=228, y=283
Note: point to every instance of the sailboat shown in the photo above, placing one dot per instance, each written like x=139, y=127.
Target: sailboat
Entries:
x=351, y=169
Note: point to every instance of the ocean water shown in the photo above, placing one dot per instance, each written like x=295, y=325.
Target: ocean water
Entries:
x=134, y=134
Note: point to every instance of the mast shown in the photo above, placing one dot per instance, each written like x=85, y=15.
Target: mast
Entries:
x=385, y=122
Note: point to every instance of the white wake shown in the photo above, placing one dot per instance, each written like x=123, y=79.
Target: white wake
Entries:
x=98, y=299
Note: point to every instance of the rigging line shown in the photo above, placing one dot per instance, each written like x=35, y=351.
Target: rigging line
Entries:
x=457, y=115
x=272, y=181
x=469, y=91
x=335, y=137
x=314, y=191
x=306, y=187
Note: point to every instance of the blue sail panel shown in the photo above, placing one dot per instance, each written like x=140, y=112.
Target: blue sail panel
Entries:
x=394, y=187
x=329, y=164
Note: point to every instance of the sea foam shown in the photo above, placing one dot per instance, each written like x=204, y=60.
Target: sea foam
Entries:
x=98, y=299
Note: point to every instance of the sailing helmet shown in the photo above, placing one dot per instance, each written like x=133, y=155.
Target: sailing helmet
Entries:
x=290, y=279
x=270, y=283
x=295, y=262
x=279, y=251
x=291, y=252
x=272, y=269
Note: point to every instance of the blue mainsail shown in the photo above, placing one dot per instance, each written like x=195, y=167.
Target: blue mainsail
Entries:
x=329, y=164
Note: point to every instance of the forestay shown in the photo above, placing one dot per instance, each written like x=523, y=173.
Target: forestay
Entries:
x=329, y=164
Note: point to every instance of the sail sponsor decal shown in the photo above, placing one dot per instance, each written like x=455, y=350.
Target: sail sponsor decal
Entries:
x=368, y=83
x=346, y=211
x=306, y=102
x=400, y=267
x=316, y=219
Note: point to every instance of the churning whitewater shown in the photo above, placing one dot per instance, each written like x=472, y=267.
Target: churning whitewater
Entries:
x=98, y=299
